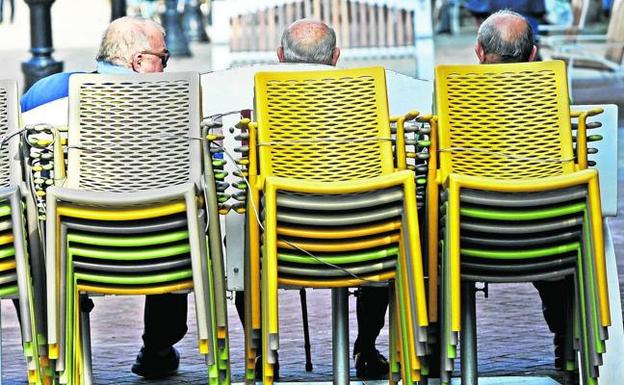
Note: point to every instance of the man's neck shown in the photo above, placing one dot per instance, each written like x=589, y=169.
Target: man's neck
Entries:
x=104, y=67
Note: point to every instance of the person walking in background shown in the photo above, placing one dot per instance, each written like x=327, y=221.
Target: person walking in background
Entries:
x=532, y=10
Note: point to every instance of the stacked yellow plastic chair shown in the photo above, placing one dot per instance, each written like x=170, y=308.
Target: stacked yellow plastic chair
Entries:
x=516, y=205
x=18, y=252
x=327, y=209
x=130, y=216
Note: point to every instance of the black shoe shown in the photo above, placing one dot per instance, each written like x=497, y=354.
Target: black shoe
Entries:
x=258, y=368
x=158, y=364
x=371, y=365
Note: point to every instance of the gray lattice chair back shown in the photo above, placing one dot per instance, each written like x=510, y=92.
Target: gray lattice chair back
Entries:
x=131, y=133
x=9, y=115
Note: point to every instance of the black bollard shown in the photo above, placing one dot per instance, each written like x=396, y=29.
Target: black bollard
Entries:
x=177, y=44
x=193, y=22
x=42, y=63
x=118, y=9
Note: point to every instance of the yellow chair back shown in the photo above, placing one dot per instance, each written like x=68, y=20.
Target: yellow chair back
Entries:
x=504, y=121
x=323, y=126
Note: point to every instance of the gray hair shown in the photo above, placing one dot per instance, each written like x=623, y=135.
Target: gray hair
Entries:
x=511, y=45
x=315, y=46
x=126, y=36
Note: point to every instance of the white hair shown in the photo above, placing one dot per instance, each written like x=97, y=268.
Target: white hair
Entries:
x=126, y=36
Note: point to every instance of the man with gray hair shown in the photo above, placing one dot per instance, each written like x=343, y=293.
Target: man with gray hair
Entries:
x=308, y=41
x=130, y=45
x=507, y=37
x=313, y=42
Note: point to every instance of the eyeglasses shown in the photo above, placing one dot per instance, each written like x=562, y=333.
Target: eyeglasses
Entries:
x=164, y=56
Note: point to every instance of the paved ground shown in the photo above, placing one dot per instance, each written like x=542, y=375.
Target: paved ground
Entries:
x=513, y=338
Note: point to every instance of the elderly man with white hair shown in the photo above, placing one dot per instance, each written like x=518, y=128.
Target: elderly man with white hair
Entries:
x=130, y=45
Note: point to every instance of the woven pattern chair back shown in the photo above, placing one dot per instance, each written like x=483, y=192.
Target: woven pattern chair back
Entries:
x=130, y=133
x=8, y=125
x=323, y=126
x=615, y=32
x=504, y=121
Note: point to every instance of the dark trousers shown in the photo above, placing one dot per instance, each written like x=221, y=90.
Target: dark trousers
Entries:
x=239, y=301
x=165, y=320
x=553, y=295
x=371, y=306
x=372, y=303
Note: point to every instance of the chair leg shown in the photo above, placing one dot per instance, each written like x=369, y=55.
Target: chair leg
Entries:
x=468, y=337
x=1, y=346
x=306, y=330
x=340, y=336
x=85, y=342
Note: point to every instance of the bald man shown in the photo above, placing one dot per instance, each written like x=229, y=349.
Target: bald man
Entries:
x=130, y=45
x=308, y=41
x=507, y=37
x=313, y=42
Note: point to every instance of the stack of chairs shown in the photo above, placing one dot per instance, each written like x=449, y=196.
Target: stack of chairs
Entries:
x=19, y=253
x=328, y=209
x=516, y=204
x=135, y=213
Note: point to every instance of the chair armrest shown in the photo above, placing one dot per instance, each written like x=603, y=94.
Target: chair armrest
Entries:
x=44, y=160
x=581, y=135
x=432, y=164
x=401, y=160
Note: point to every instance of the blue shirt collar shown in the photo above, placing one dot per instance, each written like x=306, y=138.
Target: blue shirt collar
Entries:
x=104, y=67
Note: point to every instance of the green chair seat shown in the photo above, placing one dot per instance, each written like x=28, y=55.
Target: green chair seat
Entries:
x=127, y=241
x=129, y=254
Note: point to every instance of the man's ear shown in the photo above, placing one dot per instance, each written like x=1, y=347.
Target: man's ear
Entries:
x=136, y=62
x=533, y=54
x=480, y=53
x=335, y=56
x=280, y=54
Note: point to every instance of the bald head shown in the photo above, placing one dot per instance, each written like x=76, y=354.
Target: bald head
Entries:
x=308, y=41
x=127, y=36
x=505, y=37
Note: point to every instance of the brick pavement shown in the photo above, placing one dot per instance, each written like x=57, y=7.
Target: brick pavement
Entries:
x=513, y=338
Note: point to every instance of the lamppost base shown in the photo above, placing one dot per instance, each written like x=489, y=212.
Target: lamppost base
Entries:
x=193, y=22
x=176, y=41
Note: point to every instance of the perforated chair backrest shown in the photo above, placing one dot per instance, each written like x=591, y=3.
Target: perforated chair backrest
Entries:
x=130, y=133
x=615, y=32
x=323, y=125
x=9, y=115
x=504, y=121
